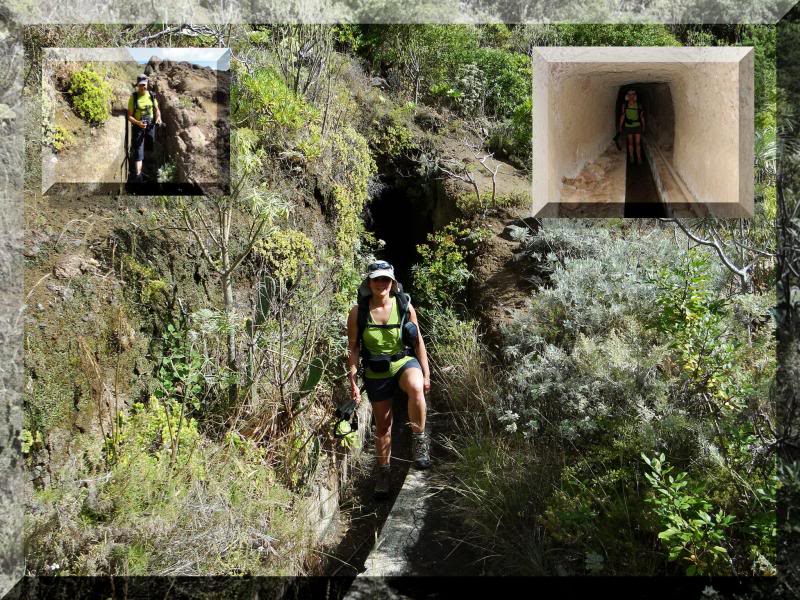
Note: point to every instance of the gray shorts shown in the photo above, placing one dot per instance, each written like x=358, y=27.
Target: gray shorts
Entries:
x=386, y=387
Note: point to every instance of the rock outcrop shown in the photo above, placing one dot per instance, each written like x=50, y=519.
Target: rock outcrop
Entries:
x=194, y=104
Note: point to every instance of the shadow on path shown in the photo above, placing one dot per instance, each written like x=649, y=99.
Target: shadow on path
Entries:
x=641, y=195
x=437, y=547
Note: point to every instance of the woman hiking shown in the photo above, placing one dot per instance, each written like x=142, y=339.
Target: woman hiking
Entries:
x=143, y=115
x=382, y=330
x=633, y=119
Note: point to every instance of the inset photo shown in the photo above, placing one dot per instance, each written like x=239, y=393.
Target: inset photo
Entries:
x=643, y=132
x=145, y=121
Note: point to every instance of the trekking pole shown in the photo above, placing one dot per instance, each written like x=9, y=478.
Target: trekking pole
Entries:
x=125, y=167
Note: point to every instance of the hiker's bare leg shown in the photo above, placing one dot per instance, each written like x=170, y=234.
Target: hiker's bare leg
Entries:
x=638, y=138
x=411, y=383
x=382, y=410
x=138, y=167
x=630, y=147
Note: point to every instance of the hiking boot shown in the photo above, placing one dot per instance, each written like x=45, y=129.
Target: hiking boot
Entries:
x=382, y=481
x=421, y=449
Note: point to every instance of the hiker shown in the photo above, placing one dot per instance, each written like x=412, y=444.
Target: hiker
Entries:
x=144, y=116
x=382, y=330
x=633, y=119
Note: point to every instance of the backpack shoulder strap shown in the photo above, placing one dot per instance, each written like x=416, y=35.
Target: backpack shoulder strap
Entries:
x=403, y=300
x=363, y=315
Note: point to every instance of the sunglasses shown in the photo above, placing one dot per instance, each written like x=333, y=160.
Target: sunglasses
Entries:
x=379, y=266
x=382, y=279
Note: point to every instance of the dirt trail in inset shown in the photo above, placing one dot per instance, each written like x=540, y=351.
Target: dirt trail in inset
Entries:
x=94, y=158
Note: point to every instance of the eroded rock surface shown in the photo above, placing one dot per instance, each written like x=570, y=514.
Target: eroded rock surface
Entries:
x=194, y=104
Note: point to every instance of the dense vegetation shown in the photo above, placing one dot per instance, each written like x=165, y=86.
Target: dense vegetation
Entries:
x=630, y=426
x=90, y=95
x=624, y=427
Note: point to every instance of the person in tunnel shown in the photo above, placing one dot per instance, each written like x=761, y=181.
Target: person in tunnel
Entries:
x=631, y=122
x=383, y=331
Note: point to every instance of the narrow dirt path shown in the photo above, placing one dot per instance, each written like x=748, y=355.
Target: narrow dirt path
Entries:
x=95, y=157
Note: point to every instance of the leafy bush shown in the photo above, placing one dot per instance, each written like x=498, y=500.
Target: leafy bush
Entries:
x=264, y=103
x=285, y=253
x=616, y=35
x=511, y=138
x=167, y=172
x=508, y=81
x=471, y=83
x=390, y=134
x=442, y=273
x=691, y=534
x=91, y=95
x=629, y=349
x=471, y=207
x=61, y=138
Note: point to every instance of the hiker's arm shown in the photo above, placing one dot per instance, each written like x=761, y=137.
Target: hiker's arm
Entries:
x=353, y=352
x=621, y=118
x=422, y=354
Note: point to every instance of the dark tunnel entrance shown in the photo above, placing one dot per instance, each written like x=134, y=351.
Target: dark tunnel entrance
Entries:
x=642, y=197
x=401, y=214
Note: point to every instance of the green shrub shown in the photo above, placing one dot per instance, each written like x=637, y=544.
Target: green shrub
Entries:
x=285, y=253
x=628, y=349
x=91, y=96
x=693, y=532
x=508, y=81
x=471, y=207
x=167, y=172
x=61, y=138
x=442, y=273
x=264, y=103
x=390, y=134
x=511, y=138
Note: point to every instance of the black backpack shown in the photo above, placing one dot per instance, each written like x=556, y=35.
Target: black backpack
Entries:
x=409, y=332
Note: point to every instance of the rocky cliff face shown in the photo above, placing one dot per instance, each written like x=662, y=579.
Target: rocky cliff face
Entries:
x=194, y=104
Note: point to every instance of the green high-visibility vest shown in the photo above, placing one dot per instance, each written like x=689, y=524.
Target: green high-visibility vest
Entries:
x=632, y=115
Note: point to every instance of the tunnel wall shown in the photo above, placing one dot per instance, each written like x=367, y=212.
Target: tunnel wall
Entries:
x=710, y=91
x=660, y=117
x=706, y=124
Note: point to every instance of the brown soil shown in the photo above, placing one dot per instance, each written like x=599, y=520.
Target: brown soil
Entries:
x=498, y=286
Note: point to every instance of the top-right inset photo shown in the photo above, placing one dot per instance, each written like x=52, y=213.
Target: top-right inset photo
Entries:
x=643, y=132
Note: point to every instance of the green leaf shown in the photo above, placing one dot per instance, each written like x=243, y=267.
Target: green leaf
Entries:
x=665, y=535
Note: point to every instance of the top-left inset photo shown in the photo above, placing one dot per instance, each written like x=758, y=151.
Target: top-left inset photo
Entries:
x=140, y=121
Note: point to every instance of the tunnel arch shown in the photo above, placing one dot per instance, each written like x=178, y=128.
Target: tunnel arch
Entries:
x=701, y=109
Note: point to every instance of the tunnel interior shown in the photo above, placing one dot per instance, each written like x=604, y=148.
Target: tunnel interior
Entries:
x=642, y=196
x=401, y=214
x=699, y=127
